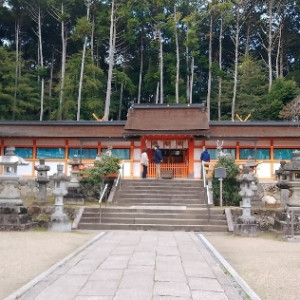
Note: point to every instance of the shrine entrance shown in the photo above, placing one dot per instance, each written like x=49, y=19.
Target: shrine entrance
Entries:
x=175, y=156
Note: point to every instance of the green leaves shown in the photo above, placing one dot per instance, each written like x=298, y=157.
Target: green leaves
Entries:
x=104, y=166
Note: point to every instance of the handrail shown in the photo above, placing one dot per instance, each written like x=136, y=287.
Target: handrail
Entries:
x=205, y=184
x=103, y=193
x=206, y=188
x=101, y=198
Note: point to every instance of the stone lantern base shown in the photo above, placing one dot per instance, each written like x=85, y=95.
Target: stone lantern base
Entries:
x=246, y=227
x=15, y=218
x=74, y=196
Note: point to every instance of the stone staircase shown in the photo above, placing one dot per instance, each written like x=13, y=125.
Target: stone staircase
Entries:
x=151, y=204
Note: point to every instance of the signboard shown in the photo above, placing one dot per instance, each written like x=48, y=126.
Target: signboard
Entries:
x=220, y=172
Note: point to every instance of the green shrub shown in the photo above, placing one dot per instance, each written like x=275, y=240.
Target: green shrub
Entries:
x=94, y=178
x=231, y=186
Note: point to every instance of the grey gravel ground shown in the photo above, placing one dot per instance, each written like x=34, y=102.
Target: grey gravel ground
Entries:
x=270, y=266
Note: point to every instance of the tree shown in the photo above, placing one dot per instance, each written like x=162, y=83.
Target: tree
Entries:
x=84, y=29
x=37, y=13
x=59, y=10
x=291, y=111
x=282, y=92
x=230, y=194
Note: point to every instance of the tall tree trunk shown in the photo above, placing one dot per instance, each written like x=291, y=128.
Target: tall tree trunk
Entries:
x=141, y=70
x=177, y=58
x=187, y=92
x=220, y=67
x=279, y=68
x=88, y=4
x=187, y=74
x=236, y=61
x=157, y=93
x=111, y=53
x=161, y=66
x=121, y=99
x=270, y=42
x=247, y=43
x=92, y=40
x=51, y=75
x=209, y=66
x=63, y=64
x=17, y=67
x=191, y=80
x=41, y=63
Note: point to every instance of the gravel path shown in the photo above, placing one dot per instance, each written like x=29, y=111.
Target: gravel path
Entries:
x=270, y=266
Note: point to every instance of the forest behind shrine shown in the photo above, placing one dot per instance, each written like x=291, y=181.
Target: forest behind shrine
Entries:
x=72, y=59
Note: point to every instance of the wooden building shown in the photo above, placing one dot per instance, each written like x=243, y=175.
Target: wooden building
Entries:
x=181, y=131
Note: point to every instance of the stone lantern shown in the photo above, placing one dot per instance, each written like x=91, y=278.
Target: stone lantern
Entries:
x=59, y=220
x=10, y=194
x=13, y=215
x=42, y=179
x=289, y=177
x=75, y=194
x=246, y=224
x=289, y=182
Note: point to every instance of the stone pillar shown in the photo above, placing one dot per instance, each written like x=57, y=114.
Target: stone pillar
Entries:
x=42, y=179
x=59, y=220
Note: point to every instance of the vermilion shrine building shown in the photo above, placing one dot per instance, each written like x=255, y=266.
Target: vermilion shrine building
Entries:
x=181, y=131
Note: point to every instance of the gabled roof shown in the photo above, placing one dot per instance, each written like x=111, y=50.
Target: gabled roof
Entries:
x=164, y=119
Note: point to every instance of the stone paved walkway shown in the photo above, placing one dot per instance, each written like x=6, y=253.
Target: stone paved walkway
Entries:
x=131, y=265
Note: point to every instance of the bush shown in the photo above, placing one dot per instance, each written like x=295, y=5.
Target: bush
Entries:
x=94, y=178
x=231, y=186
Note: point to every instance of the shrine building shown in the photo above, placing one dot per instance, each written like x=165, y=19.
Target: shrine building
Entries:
x=181, y=131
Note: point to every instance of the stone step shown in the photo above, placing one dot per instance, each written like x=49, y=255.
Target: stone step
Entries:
x=160, y=200
x=157, y=227
x=153, y=209
x=156, y=205
x=157, y=220
x=165, y=183
x=162, y=191
x=167, y=214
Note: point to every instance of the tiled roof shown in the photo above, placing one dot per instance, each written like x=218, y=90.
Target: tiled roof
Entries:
x=163, y=119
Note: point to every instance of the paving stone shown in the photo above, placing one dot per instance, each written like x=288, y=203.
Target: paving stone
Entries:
x=171, y=298
x=165, y=275
x=93, y=298
x=132, y=294
x=167, y=250
x=174, y=289
x=205, y=284
x=107, y=274
x=142, y=259
x=199, y=272
x=99, y=288
x=66, y=287
x=137, y=282
x=115, y=262
x=208, y=295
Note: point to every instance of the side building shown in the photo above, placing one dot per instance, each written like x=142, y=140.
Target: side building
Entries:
x=181, y=131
